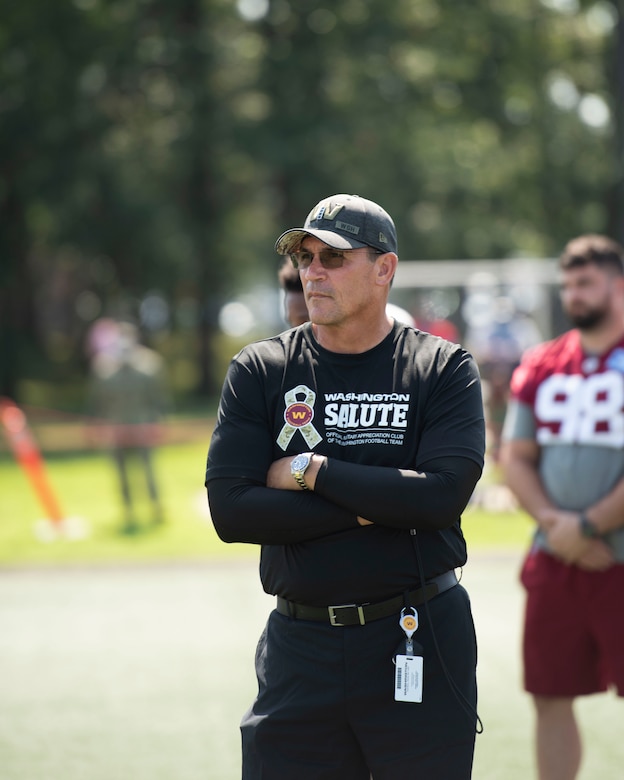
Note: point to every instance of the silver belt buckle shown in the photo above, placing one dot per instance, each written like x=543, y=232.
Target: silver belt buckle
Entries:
x=333, y=618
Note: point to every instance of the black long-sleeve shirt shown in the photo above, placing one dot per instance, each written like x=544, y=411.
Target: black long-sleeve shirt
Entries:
x=402, y=427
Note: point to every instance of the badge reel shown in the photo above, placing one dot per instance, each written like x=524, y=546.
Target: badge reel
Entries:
x=408, y=674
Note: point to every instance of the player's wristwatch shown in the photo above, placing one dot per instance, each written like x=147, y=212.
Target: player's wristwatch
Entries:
x=298, y=466
x=588, y=529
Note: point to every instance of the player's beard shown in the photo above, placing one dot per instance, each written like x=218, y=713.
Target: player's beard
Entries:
x=590, y=319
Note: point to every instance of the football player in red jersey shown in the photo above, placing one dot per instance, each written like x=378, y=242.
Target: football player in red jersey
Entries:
x=563, y=456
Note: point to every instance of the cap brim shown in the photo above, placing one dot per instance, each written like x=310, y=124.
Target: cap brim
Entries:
x=290, y=240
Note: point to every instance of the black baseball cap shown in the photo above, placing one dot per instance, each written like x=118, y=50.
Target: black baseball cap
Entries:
x=344, y=222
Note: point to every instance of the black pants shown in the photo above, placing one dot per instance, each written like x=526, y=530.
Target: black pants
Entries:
x=143, y=456
x=326, y=711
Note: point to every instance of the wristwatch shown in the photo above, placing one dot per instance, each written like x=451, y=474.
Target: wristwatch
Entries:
x=588, y=529
x=298, y=466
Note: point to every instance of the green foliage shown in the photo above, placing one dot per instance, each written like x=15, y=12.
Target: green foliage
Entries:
x=156, y=146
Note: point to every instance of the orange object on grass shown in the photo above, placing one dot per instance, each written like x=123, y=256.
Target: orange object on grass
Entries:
x=28, y=455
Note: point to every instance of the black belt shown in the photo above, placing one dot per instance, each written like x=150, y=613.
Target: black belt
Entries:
x=360, y=614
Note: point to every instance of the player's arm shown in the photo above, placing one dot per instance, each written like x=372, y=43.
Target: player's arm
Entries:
x=608, y=513
x=430, y=499
x=520, y=461
x=431, y=495
x=245, y=511
x=242, y=507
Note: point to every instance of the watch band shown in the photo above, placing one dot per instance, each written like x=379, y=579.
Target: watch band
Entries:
x=298, y=467
x=298, y=477
x=588, y=529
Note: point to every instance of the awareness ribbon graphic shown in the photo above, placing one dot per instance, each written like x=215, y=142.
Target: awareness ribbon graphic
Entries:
x=298, y=416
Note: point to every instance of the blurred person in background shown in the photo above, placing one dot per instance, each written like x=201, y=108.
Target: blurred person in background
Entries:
x=128, y=400
x=563, y=457
x=497, y=345
x=428, y=320
x=295, y=308
x=400, y=314
x=347, y=448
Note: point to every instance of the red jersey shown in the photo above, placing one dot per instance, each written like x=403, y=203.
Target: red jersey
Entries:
x=576, y=397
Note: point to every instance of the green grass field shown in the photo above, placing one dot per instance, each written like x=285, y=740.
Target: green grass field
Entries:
x=131, y=657
x=85, y=486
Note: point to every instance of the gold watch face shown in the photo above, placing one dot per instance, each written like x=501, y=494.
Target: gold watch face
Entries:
x=299, y=464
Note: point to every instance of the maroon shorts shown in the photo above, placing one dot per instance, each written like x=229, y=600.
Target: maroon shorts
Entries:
x=574, y=628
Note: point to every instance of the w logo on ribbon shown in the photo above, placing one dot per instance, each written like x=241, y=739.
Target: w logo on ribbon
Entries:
x=298, y=416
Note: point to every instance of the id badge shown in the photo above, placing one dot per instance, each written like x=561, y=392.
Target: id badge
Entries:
x=408, y=678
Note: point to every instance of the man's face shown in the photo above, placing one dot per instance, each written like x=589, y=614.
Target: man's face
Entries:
x=588, y=295
x=334, y=294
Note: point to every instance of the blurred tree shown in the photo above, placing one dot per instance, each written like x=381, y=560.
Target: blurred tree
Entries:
x=152, y=151
x=486, y=128
x=112, y=184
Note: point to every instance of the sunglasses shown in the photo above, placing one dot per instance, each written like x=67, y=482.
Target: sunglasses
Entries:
x=330, y=258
